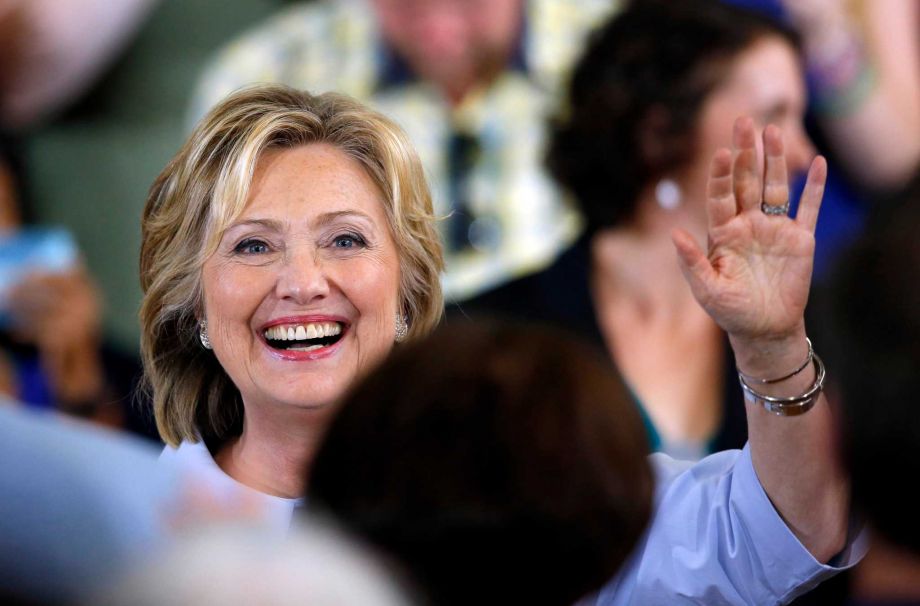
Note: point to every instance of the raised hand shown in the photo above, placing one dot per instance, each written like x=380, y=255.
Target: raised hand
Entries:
x=755, y=278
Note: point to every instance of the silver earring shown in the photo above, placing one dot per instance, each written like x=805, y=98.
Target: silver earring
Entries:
x=402, y=328
x=203, y=334
x=668, y=194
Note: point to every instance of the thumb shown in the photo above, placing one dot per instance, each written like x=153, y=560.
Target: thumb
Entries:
x=694, y=264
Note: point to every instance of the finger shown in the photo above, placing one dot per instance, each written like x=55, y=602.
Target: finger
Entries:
x=694, y=264
x=719, y=191
x=776, y=176
x=747, y=183
x=810, y=203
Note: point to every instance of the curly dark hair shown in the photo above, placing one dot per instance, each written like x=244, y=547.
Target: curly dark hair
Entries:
x=645, y=76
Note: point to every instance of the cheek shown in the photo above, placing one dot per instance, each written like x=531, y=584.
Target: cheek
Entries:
x=375, y=292
x=715, y=128
x=232, y=293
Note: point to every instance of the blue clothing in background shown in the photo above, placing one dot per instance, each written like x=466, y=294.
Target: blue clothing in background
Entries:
x=78, y=505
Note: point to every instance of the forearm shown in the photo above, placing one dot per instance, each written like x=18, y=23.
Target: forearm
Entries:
x=866, y=71
x=793, y=455
x=879, y=142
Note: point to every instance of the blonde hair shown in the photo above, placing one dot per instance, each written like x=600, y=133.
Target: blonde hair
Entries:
x=205, y=187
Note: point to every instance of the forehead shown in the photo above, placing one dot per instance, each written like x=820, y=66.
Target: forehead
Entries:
x=766, y=70
x=308, y=180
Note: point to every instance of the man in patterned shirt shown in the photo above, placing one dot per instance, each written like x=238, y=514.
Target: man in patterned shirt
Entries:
x=472, y=81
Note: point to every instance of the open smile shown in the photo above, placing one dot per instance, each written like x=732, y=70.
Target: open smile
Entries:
x=303, y=336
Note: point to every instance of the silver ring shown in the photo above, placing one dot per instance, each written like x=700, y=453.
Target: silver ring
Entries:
x=775, y=211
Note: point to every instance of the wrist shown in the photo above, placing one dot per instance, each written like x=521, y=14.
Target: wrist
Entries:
x=773, y=356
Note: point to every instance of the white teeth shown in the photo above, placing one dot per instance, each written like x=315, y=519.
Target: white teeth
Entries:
x=302, y=332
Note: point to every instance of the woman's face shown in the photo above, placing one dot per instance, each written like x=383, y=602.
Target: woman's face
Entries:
x=766, y=83
x=301, y=295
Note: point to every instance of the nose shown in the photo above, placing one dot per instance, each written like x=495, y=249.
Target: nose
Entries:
x=800, y=151
x=301, y=277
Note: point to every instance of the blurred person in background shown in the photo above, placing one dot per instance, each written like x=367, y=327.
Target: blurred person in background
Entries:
x=864, y=67
x=872, y=314
x=290, y=245
x=863, y=63
x=650, y=102
x=471, y=81
x=51, y=347
x=236, y=565
x=52, y=351
x=80, y=506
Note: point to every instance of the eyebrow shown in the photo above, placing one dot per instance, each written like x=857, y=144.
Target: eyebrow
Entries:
x=321, y=221
x=327, y=218
x=267, y=223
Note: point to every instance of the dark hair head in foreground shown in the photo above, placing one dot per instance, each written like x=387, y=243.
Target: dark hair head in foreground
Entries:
x=875, y=321
x=494, y=462
x=637, y=95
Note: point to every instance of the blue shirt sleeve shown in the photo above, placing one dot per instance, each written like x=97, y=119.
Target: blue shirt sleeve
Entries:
x=715, y=538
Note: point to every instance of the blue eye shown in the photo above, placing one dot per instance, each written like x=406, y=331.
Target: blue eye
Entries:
x=251, y=246
x=348, y=241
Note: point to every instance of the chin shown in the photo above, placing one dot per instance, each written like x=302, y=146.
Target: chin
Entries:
x=317, y=402
x=299, y=395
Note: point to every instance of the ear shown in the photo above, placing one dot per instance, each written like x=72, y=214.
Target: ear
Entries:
x=654, y=138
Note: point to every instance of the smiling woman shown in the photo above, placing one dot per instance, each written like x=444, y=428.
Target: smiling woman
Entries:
x=286, y=247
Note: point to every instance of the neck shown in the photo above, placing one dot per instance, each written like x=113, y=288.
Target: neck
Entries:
x=273, y=453
x=462, y=87
x=624, y=257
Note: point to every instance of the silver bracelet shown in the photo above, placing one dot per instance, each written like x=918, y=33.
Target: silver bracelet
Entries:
x=793, y=405
x=811, y=352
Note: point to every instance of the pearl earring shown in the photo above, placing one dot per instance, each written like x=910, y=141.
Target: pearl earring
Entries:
x=203, y=334
x=668, y=194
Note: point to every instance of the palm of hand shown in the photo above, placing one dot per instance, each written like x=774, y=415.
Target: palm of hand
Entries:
x=755, y=279
x=763, y=270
